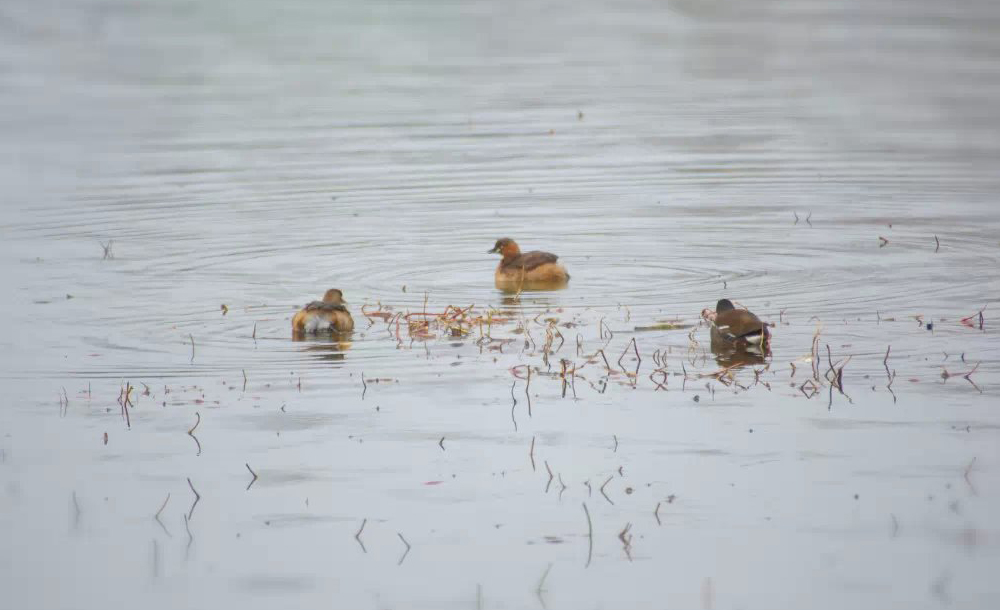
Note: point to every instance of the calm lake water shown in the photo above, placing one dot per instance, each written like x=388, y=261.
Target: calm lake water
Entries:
x=832, y=165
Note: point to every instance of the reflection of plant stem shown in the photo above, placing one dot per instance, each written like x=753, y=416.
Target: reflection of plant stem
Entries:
x=541, y=585
x=406, y=552
x=188, y=528
x=357, y=536
x=602, y=490
x=197, y=498
x=157, y=516
x=254, y=480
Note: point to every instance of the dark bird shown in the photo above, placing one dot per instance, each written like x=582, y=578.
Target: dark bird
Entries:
x=739, y=327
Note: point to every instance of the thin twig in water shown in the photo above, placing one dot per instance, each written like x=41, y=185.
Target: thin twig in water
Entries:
x=967, y=321
x=660, y=385
x=187, y=527
x=572, y=383
x=602, y=490
x=531, y=453
x=625, y=351
x=162, y=506
x=937, y=243
x=968, y=469
x=968, y=377
x=191, y=433
x=357, y=536
x=254, y=480
x=590, y=536
x=626, y=542
x=156, y=517
x=441, y=443
x=197, y=498
x=550, y=476
x=966, y=374
x=244, y=380
x=406, y=552
x=513, y=405
x=363, y=384
x=814, y=350
x=192, y=346
x=615, y=436
x=527, y=384
x=125, y=402
x=601, y=352
x=813, y=388
x=656, y=513
x=541, y=584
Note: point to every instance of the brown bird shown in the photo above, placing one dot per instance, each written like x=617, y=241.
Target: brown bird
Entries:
x=737, y=326
x=328, y=315
x=532, y=270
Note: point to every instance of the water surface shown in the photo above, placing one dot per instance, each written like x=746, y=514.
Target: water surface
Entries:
x=253, y=155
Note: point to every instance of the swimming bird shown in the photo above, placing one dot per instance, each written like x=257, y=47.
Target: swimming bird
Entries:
x=737, y=326
x=328, y=315
x=532, y=270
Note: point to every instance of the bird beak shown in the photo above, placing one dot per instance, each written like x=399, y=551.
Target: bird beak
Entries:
x=493, y=251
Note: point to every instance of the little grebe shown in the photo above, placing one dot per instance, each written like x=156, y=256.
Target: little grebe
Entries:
x=330, y=314
x=529, y=270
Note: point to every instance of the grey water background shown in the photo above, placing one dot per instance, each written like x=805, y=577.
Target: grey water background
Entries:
x=254, y=154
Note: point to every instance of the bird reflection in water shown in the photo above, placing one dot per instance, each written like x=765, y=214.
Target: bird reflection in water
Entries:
x=330, y=347
x=513, y=303
x=729, y=354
